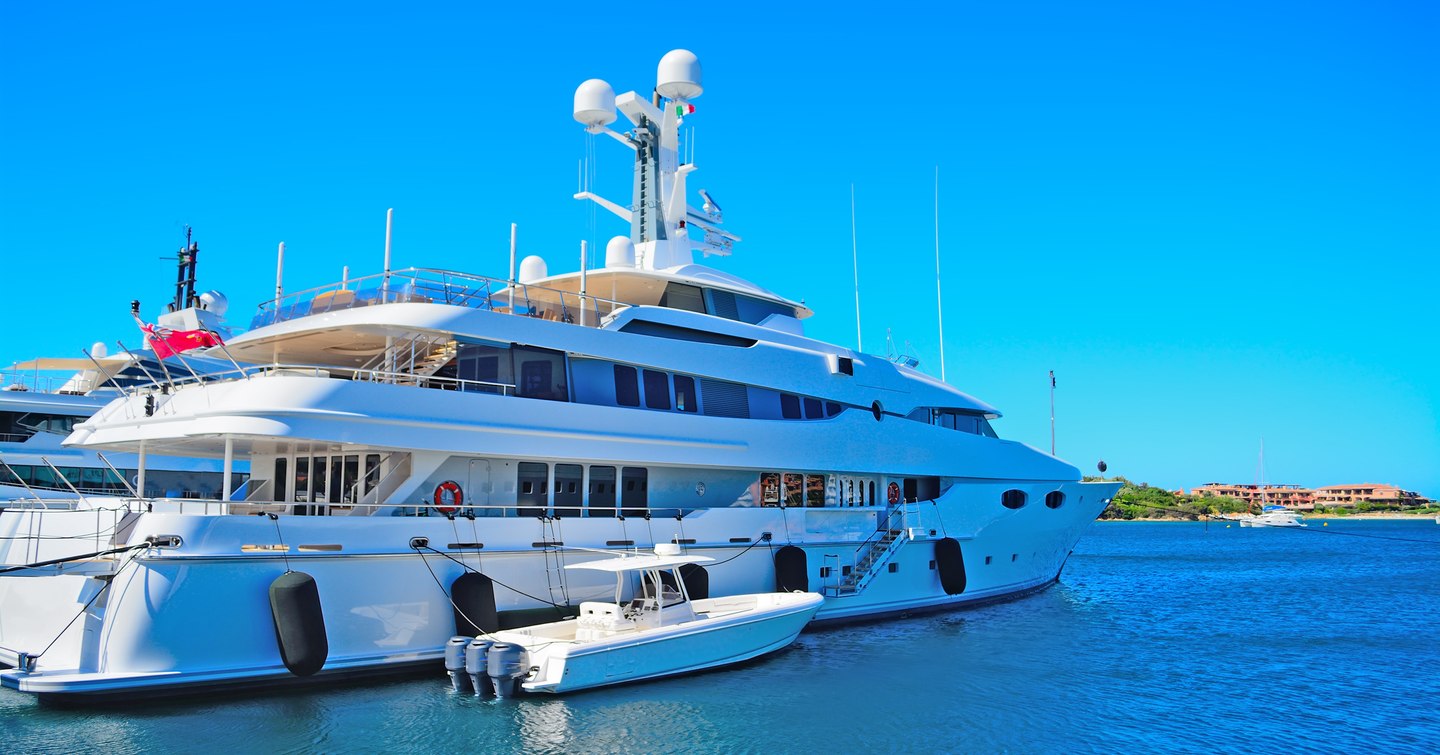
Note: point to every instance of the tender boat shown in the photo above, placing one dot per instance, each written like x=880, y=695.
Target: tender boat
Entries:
x=420, y=439
x=659, y=632
x=1274, y=516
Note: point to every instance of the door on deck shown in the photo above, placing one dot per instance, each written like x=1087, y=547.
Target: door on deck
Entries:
x=477, y=488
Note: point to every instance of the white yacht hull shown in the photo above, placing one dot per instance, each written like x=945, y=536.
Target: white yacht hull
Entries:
x=387, y=605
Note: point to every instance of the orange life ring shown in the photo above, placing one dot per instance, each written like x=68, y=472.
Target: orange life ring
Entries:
x=893, y=492
x=448, y=497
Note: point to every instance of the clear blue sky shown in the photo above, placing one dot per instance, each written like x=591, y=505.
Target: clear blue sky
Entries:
x=1215, y=221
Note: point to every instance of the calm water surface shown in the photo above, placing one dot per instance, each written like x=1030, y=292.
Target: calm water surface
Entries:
x=1160, y=636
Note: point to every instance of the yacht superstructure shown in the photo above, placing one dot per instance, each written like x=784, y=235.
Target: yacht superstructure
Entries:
x=416, y=429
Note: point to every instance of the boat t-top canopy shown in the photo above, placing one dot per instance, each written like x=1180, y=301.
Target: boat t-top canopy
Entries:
x=639, y=563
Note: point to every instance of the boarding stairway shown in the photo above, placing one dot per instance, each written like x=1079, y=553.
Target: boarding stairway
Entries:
x=875, y=553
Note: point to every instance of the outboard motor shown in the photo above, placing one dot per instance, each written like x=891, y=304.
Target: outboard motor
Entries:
x=506, y=666
x=475, y=664
x=455, y=662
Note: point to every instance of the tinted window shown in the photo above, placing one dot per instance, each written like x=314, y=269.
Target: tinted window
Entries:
x=627, y=386
x=657, y=390
x=1012, y=499
x=789, y=406
x=684, y=393
x=831, y=408
x=681, y=296
x=812, y=409
x=1054, y=499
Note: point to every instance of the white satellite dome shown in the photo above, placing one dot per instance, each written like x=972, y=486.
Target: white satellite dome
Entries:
x=678, y=76
x=532, y=269
x=215, y=303
x=620, y=252
x=98, y=350
x=595, y=103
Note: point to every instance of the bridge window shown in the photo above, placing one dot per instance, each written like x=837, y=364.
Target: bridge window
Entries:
x=685, y=393
x=627, y=386
x=657, y=390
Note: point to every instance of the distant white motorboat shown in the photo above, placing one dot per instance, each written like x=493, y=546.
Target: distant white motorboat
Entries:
x=1274, y=516
x=660, y=632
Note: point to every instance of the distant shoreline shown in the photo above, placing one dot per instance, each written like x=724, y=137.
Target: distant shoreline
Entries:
x=1387, y=515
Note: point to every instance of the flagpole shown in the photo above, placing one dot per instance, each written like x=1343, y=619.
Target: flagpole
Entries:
x=1052, y=412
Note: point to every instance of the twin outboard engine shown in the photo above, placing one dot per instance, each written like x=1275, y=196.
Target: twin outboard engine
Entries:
x=484, y=666
x=505, y=665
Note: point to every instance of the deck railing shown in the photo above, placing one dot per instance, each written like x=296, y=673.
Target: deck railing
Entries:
x=428, y=285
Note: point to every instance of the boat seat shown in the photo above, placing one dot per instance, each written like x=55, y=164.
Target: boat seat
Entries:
x=599, y=620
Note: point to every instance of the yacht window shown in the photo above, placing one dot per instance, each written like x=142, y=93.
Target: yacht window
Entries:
x=633, y=501
x=947, y=420
x=532, y=477
x=337, y=482
x=657, y=390
x=485, y=364
x=602, y=491
x=302, y=478
x=568, y=482
x=815, y=491
x=813, y=409
x=372, y=471
x=923, y=414
x=794, y=490
x=352, y=478
x=753, y=310
x=1012, y=499
x=681, y=296
x=317, y=479
x=831, y=408
x=282, y=472
x=627, y=386
x=1054, y=499
x=967, y=423
x=789, y=406
x=541, y=373
x=684, y=393
x=985, y=428
x=770, y=489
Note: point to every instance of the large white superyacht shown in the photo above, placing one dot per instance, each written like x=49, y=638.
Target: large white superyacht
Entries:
x=429, y=449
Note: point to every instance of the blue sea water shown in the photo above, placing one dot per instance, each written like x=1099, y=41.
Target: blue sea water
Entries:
x=1173, y=637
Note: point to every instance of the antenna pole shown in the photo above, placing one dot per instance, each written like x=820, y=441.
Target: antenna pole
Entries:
x=855, y=255
x=939, y=312
x=582, y=283
x=389, y=227
x=1052, y=412
x=512, y=267
x=279, y=273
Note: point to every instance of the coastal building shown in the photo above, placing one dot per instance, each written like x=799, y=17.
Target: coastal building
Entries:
x=1306, y=499
x=1289, y=496
x=1349, y=495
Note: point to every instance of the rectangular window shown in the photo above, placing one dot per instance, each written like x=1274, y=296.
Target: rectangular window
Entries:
x=302, y=478
x=657, y=390
x=531, y=478
x=627, y=386
x=337, y=479
x=282, y=472
x=634, y=501
x=485, y=364
x=685, y=393
x=541, y=374
x=795, y=490
x=812, y=409
x=352, y=477
x=372, y=471
x=317, y=479
x=681, y=296
x=568, y=478
x=770, y=489
x=815, y=491
x=602, y=491
x=789, y=406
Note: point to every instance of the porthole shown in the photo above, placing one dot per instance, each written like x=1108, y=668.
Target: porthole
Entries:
x=1054, y=499
x=877, y=410
x=1012, y=499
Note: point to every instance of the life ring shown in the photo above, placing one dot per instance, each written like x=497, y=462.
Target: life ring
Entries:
x=448, y=497
x=892, y=493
